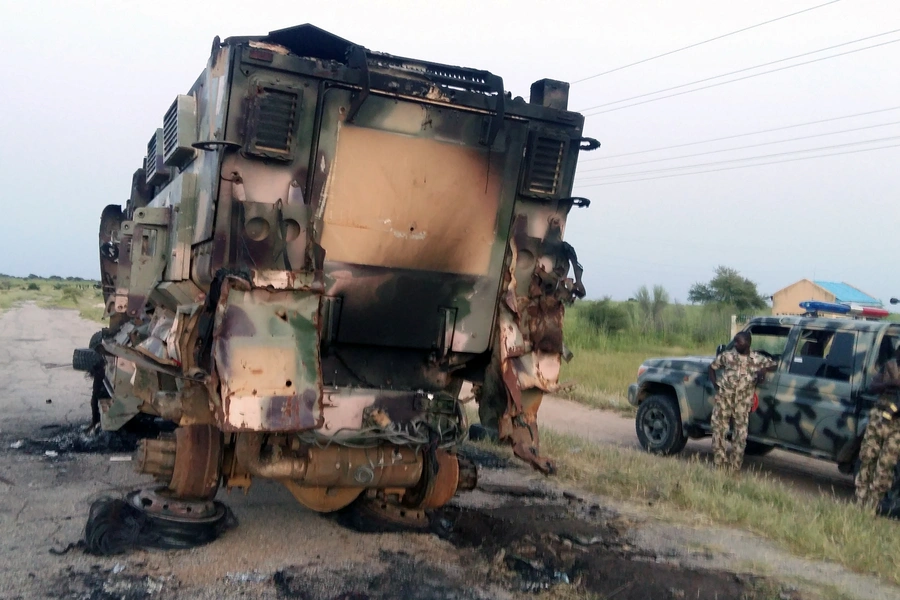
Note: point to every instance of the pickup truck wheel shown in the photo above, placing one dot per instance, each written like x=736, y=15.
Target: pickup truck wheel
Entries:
x=757, y=448
x=658, y=426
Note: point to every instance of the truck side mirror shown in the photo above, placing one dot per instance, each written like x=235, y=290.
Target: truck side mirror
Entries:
x=720, y=349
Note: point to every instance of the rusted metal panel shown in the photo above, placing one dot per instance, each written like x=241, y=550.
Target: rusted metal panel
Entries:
x=411, y=203
x=267, y=359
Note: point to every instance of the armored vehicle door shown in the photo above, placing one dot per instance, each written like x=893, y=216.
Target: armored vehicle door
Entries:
x=414, y=221
x=815, y=408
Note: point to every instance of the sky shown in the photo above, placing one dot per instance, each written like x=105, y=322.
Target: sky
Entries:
x=85, y=83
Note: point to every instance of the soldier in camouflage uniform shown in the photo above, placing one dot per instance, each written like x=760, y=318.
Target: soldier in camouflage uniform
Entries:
x=881, y=442
x=741, y=370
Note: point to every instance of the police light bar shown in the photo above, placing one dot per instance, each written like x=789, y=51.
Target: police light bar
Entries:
x=855, y=310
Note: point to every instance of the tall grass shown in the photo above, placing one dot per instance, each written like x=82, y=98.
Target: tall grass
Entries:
x=675, y=325
x=606, y=360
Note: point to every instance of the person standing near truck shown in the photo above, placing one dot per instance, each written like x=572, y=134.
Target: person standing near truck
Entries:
x=880, y=448
x=741, y=370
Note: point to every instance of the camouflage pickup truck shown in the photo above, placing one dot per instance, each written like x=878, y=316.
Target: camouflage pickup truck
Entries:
x=815, y=403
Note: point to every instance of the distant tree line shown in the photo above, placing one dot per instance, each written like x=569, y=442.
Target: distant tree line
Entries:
x=650, y=314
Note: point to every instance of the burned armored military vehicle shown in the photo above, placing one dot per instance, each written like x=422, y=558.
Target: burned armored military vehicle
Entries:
x=322, y=245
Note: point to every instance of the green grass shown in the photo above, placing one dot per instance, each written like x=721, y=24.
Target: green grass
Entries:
x=605, y=363
x=819, y=527
x=75, y=295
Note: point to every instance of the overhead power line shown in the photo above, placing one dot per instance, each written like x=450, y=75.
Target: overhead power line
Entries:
x=694, y=45
x=712, y=85
x=737, y=135
x=759, y=66
x=734, y=160
x=794, y=139
x=774, y=162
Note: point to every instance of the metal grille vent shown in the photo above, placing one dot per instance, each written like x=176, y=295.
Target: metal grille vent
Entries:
x=545, y=172
x=180, y=131
x=274, y=122
x=154, y=163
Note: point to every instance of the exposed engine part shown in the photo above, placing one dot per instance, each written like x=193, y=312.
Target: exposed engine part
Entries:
x=189, y=462
x=332, y=466
x=380, y=511
x=321, y=499
x=443, y=420
x=156, y=457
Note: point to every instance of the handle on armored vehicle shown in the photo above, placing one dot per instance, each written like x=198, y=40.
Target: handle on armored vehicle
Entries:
x=587, y=144
x=577, y=201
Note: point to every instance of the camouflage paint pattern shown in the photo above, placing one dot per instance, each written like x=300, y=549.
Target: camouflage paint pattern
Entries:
x=345, y=237
x=820, y=416
x=731, y=410
x=879, y=454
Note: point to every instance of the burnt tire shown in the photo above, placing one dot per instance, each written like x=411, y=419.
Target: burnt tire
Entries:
x=757, y=448
x=97, y=339
x=85, y=359
x=658, y=426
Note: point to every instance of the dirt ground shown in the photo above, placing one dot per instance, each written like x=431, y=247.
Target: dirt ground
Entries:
x=517, y=534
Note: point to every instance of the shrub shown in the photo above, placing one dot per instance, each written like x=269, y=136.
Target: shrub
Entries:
x=606, y=315
x=71, y=293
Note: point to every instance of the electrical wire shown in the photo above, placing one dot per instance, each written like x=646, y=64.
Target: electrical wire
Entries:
x=775, y=162
x=734, y=160
x=694, y=45
x=759, y=66
x=712, y=85
x=794, y=139
x=731, y=137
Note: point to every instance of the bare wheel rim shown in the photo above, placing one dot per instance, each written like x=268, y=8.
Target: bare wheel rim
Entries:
x=655, y=426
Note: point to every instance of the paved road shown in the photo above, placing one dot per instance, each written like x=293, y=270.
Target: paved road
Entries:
x=800, y=472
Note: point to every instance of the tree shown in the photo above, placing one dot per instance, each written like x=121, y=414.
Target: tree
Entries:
x=727, y=287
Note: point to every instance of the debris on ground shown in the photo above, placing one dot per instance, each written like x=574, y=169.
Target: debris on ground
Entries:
x=484, y=458
x=251, y=577
x=106, y=584
x=567, y=542
x=116, y=526
x=404, y=576
x=80, y=438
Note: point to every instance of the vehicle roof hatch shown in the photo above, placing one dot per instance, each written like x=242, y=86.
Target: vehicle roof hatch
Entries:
x=312, y=41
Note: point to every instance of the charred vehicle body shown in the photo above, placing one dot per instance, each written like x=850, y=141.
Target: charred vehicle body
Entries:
x=322, y=245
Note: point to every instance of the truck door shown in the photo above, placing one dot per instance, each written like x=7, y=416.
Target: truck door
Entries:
x=773, y=342
x=815, y=406
x=887, y=349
